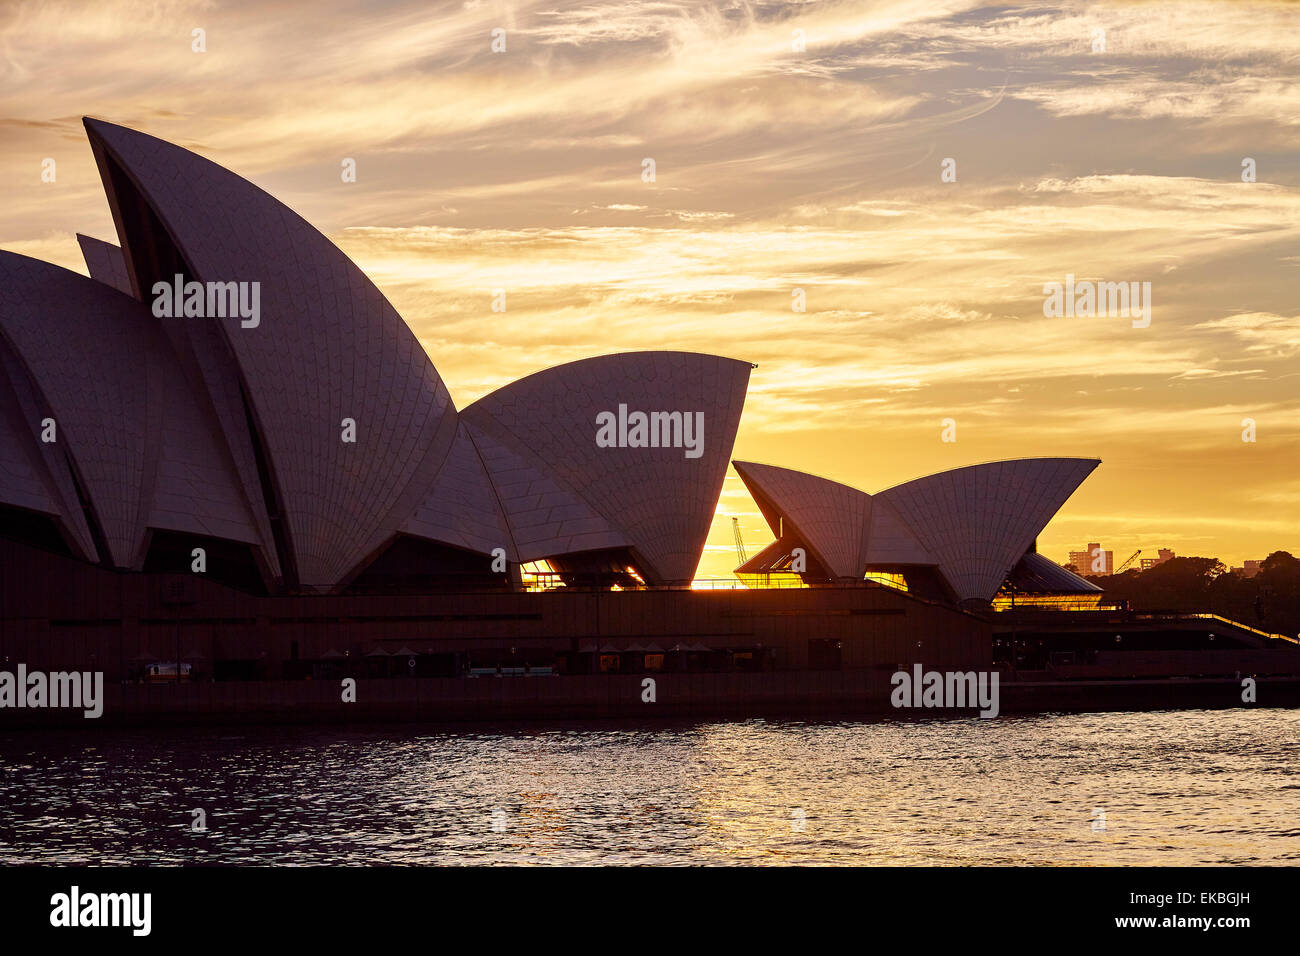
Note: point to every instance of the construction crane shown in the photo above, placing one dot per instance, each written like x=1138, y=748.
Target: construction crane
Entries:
x=1129, y=561
x=740, y=544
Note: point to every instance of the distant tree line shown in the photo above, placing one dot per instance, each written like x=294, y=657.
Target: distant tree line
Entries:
x=1270, y=600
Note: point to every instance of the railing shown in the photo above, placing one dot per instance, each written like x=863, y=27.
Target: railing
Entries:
x=1121, y=616
x=734, y=584
x=1207, y=616
x=699, y=584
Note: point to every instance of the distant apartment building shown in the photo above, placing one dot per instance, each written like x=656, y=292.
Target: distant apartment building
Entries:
x=1164, y=555
x=1094, y=560
x=1249, y=568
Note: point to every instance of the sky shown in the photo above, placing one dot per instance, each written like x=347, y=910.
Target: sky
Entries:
x=796, y=146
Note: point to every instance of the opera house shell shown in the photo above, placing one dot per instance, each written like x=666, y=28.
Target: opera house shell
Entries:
x=960, y=535
x=315, y=449
x=136, y=437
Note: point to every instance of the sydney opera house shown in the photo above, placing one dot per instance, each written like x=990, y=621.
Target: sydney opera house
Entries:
x=230, y=474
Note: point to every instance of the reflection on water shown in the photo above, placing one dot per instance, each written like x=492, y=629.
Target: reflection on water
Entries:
x=1188, y=787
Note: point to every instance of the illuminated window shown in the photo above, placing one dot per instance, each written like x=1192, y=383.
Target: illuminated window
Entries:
x=772, y=579
x=539, y=576
x=890, y=579
x=1056, y=602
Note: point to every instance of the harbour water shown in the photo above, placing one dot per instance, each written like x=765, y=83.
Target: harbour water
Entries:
x=1166, y=788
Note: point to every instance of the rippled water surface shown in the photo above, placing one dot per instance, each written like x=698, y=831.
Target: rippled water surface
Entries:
x=1190, y=787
